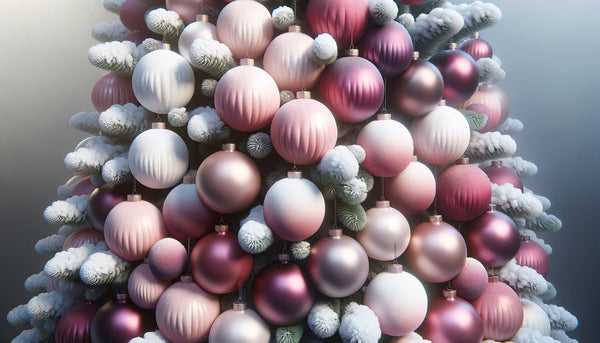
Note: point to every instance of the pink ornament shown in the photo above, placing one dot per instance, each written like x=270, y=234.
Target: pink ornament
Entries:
x=412, y=2
x=199, y=29
x=144, y=288
x=460, y=73
x=120, y=321
x=132, y=14
x=477, y=47
x=338, y=265
x=345, y=20
x=471, y=281
x=499, y=174
x=74, y=325
x=389, y=47
x=102, y=200
x=245, y=27
x=185, y=312
x=486, y=103
x=452, y=320
x=189, y=9
x=386, y=234
x=288, y=60
x=413, y=190
x=112, y=89
x=84, y=186
x=167, y=259
x=219, y=264
x=281, y=293
x=492, y=238
x=240, y=325
x=463, y=191
x=303, y=130
x=352, y=88
x=136, y=37
x=228, y=181
x=132, y=227
x=83, y=236
x=294, y=208
x=500, y=310
x=502, y=97
x=436, y=252
x=532, y=255
x=246, y=97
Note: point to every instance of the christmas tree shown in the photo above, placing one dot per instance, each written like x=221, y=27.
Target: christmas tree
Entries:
x=295, y=180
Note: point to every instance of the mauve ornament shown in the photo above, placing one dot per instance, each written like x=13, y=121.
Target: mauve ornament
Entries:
x=102, y=200
x=386, y=234
x=477, y=47
x=471, y=281
x=83, y=184
x=199, y=29
x=486, y=103
x=167, y=259
x=111, y=89
x=86, y=235
x=389, y=47
x=532, y=255
x=535, y=318
x=132, y=15
x=345, y=20
x=74, y=325
x=144, y=288
x=500, y=175
x=239, y=325
x=502, y=97
x=460, y=74
x=413, y=190
x=189, y=9
x=119, y=321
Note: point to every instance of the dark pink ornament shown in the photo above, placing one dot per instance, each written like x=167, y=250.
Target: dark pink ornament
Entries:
x=499, y=174
x=451, y=319
x=477, y=47
x=120, y=321
x=345, y=20
x=83, y=236
x=460, y=74
x=532, y=255
x=112, y=89
x=136, y=37
x=471, y=281
x=167, y=259
x=389, y=47
x=102, y=200
x=132, y=14
x=463, y=191
x=83, y=187
x=74, y=326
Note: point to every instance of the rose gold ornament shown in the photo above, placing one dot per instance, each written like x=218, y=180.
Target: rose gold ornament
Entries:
x=83, y=236
x=386, y=234
x=471, y=281
x=240, y=325
x=413, y=190
x=486, y=103
x=144, y=288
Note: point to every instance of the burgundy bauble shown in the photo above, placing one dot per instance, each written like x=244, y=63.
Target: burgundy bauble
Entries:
x=112, y=89
x=102, y=200
x=413, y=190
x=132, y=14
x=86, y=235
x=451, y=319
x=144, y=288
x=492, y=238
x=74, y=326
x=83, y=187
x=345, y=20
x=499, y=174
x=471, y=281
x=281, y=293
x=477, y=47
x=532, y=255
x=460, y=74
x=167, y=259
x=119, y=321
x=389, y=47
x=219, y=264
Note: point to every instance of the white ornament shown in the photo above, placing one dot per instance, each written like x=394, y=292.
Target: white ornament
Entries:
x=200, y=29
x=535, y=318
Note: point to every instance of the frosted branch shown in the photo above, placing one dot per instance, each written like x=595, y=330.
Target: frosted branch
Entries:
x=543, y=223
x=511, y=126
x=406, y=20
x=165, y=23
x=19, y=316
x=110, y=32
x=522, y=167
x=124, y=122
x=560, y=318
x=477, y=121
x=116, y=171
x=89, y=159
x=35, y=335
x=67, y=263
x=490, y=70
x=532, y=236
x=150, y=337
x=69, y=211
x=352, y=217
x=490, y=146
x=254, y=235
x=352, y=192
x=426, y=7
x=383, y=11
x=259, y=145
x=49, y=305
x=178, y=117
x=515, y=203
x=324, y=49
x=205, y=126
x=211, y=56
x=37, y=283
x=431, y=31
x=67, y=230
x=50, y=244
x=359, y=324
x=323, y=321
x=549, y=294
x=104, y=267
x=120, y=57
x=524, y=280
x=527, y=335
x=283, y=17
x=546, y=203
x=112, y=6
x=477, y=16
x=289, y=334
x=300, y=250
x=86, y=122
x=562, y=337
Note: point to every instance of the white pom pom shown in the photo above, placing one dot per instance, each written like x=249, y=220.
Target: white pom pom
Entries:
x=178, y=117
x=254, y=235
x=300, y=250
x=206, y=126
x=259, y=145
x=208, y=87
x=383, y=11
x=283, y=16
x=358, y=152
x=359, y=324
x=324, y=49
x=323, y=321
x=338, y=165
x=407, y=20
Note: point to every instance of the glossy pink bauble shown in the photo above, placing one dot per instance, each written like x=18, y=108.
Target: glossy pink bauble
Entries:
x=246, y=97
x=112, y=89
x=132, y=13
x=389, y=47
x=499, y=174
x=386, y=234
x=144, y=288
x=345, y=20
x=492, y=238
x=502, y=97
x=167, y=259
x=463, y=192
x=245, y=27
x=471, y=281
x=83, y=236
x=74, y=326
x=460, y=74
x=84, y=186
x=102, y=200
x=413, y=190
x=228, y=181
x=132, y=227
x=189, y=9
x=239, y=325
x=219, y=264
x=478, y=48
x=199, y=29
x=119, y=321
x=486, y=103
x=303, y=130
x=352, y=88
x=338, y=265
x=501, y=311
x=532, y=255
x=282, y=294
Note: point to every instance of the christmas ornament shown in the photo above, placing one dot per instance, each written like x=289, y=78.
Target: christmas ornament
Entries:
x=245, y=27
x=158, y=157
x=83, y=186
x=477, y=47
x=294, y=208
x=389, y=47
x=436, y=252
x=486, y=103
x=500, y=310
x=388, y=146
x=502, y=97
x=144, y=288
x=413, y=190
x=132, y=227
x=112, y=89
x=451, y=319
x=86, y=235
x=532, y=255
x=189, y=9
x=281, y=293
x=219, y=264
x=202, y=28
x=303, y=130
x=352, y=87
x=239, y=325
x=392, y=290
x=102, y=200
x=471, y=281
x=463, y=191
x=119, y=321
x=345, y=20
x=132, y=13
x=492, y=238
x=246, y=97
x=386, y=234
x=499, y=174
x=74, y=325
x=535, y=318
x=163, y=80
x=338, y=265
x=167, y=259
x=417, y=90
x=228, y=181
x=412, y=2
x=441, y=136
x=185, y=312
x=459, y=72
x=136, y=37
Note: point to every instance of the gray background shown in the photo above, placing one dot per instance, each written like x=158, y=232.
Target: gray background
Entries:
x=549, y=50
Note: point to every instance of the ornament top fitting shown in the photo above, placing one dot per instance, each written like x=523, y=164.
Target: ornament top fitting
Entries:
x=442, y=102
x=247, y=62
x=475, y=35
x=294, y=174
x=303, y=95
x=525, y=238
x=186, y=279
x=158, y=125
x=283, y=258
x=414, y=158
x=492, y=207
x=165, y=46
x=394, y=268
x=384, y=116
x=228, y=147
x=463, y=160
x=239, y=306
x=335, y=233
x=436, y=218
x=294, y=28
x=352, y=52
x=449, y=293
x=134, y=197
x=496, y=163
x=122, y=297
x=415, y=55
x=382, y=204
x=221, y=228
x=451, y=46
x=189, y=180
x=202, y=17
x=493, y=278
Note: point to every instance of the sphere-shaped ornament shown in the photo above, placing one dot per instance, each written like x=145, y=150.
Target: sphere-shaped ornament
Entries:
x=239, y=325
x=460, y=74
x=535, y=318
x=413, y=190
x=477, y=48
x=345, y=20
x=120, y=321
x=144, y=288
x=389, y=47
x=486, y=103
x=102, y=200
x=188, y=10
x=86, y=235
x=386, y=234
x=112, y=89
x=532, y=255
x=471, y=281
x=199, y=29
x=499, y=174
x=74, y=325
x=167, y=259
x=132, y=13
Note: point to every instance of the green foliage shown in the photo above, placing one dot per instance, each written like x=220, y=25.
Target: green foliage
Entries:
x=353, y=217
x=477, y=121
x=289, y=334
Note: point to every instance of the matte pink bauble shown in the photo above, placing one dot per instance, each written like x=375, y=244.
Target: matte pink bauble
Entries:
x=281, y=293
x=84, y=186
x=228, y=181
x=499, y=174
x=386, y=234
x=288, y=59
x=477, y=47
x=460, y=74
x=492, y=238
x=132, y=227
x=391, y=291
x=167, y=259
x=504, y=101
x=199, y=29
x=451, y=319
x=463, y=191
x=219, y=264
x=112, y=89
x=246, y=27
x=352, y=88
x=486, y=103
x=119, y=321
x=413, y=190
x=185, y=312
x=246, y=97
x=303, y=130
x=144, y=288
x=500, y=310
x=189, y=9
x=102, y=200
x=532, y=255
x=388, y=146
x=535, y=318
x=74, y=325
x=132, y=15
x=389, y=47
x=345, y=20
x=338, y=265
x=294, y=208
x=239, y=325
x=437, y=251
x=86, y=235
x=471, y=281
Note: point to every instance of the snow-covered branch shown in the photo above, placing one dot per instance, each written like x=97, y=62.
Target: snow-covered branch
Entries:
x=510, y=126
x=211, y=56
x=527, y=335
x=86, y=122
x=477, y=16
x=178, y=116
x=383, y=11
x=110, y=32
x=168, y=24
x=524, y=280
x=150, y=337
x=69, y=211
x=543, y=223
x=120, y=57
x=514, y=202
x=116, y=171
x=49, y=305
x=67, y=263
x=205, y=126
x=112, y=6
x=490, y=70
x=352, y=217
x=490, y=146
x=50, y=244
x=254, y=235
x=124, y=122
x=431, y=31
x=104, y=267
x=90, y=159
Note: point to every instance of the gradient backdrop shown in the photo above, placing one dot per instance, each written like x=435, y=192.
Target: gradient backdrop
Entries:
x=549, y=50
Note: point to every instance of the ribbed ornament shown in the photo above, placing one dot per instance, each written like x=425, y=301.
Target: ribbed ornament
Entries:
x=478, y=48
x=345, y=20
x=144, y=288
x=532, y=255
x=389, y=47
x=111, y=89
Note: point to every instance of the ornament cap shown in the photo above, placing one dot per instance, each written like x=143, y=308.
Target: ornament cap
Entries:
x=189, y=180
x=134, y=197
x=451, y=46
x=416, y=55
x=414, y=158
x=352, y=52
x=496, y=163
x=228, y=147
x=202, y=17
x=475, y=35
x=335, y=233
x=239, y=306
x=303, y=95
x=165, y=46
x=122, y=297
x=395, y=268
x=221, y=228
x=493, y=278
x=436, y=218
x=449, y=293
x=158, y=125
x=294, y=28
x=384, y=116
x=294, y=174
x=463, y=160
x=283, y=258
x=247, y=62
x=186, y=279
x=492, y=207
x=525, y=238
x=382, y=204
x=442, y=102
